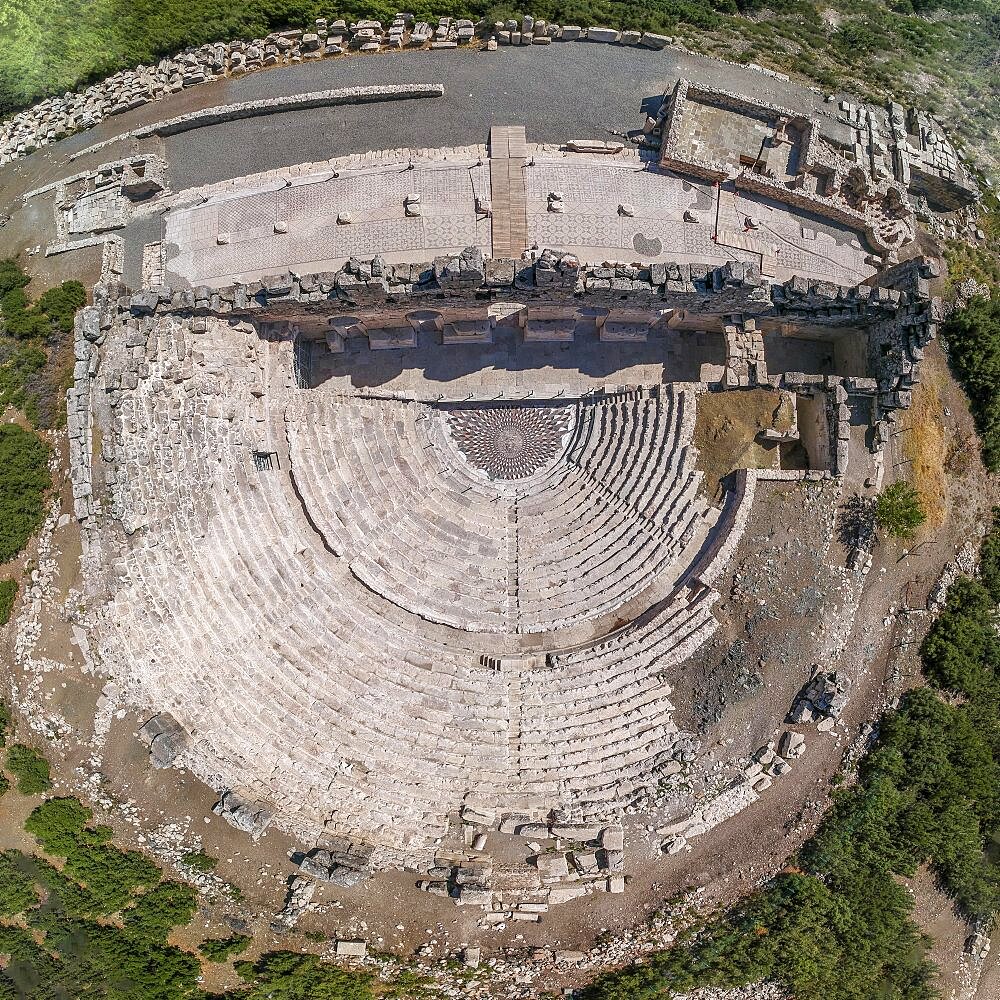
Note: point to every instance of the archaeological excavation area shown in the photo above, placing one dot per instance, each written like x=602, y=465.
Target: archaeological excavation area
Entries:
x=416, y=486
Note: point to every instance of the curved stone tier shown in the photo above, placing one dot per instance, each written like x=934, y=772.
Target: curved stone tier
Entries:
x=302, y=689
x=556, y=543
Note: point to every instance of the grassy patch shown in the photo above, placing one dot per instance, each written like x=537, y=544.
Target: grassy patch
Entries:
x=926, y=450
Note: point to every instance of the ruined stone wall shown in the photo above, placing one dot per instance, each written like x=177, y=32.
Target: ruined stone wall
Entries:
x=818, y=157
x=897, y=312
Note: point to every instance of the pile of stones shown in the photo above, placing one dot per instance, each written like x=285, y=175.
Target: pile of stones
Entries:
x=566, y=860
x=57, y=117
x=822, y=700
x=528, y=31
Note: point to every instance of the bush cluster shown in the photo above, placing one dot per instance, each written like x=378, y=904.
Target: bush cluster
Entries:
x=24, y=482
x=30, y=769
x=973, y=337
x=35, y=345
x=96, y=926
x=222, y=949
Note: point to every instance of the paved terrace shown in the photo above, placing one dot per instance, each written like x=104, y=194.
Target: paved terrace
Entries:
x=618, y=207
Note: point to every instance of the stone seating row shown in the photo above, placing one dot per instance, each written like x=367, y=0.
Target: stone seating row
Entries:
x=385, y=492
x=302, y=688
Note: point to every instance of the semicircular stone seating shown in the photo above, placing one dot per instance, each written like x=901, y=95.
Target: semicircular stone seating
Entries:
x=504, y=518
x=301, y=685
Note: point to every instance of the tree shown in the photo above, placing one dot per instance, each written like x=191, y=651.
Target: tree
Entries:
x=898, y=510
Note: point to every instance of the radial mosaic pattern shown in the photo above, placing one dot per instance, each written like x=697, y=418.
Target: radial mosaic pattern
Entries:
x=509, y=442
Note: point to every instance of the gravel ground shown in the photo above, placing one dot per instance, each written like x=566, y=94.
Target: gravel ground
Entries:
x=560, y=92
x=564, y=92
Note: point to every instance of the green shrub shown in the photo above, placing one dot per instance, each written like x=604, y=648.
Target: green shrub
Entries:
x=288, y=975
x=200, y=861
x=222, y=949
x=17, y=885
x=30, y=769
x=36, y=357
x=898, y=510
x=59, y=304
x=158, y=911
x=60, y=825
x=8, y=593
x=24, y=482
x=11, y=276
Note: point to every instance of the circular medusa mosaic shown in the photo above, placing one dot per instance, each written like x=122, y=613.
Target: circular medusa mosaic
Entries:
x=509, y=442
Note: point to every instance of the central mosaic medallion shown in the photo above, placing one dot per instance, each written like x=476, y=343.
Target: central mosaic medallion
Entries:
x=509, y=442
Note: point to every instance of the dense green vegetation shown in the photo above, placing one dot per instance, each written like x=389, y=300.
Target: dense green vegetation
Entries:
x=222, y=949
x=837, y=924
x=24, y=481
x=973, y=337
x=30, y=769
x=96, y=927
x=36, y=357
x=944, y=47
x=8, y=594
x=898, y=510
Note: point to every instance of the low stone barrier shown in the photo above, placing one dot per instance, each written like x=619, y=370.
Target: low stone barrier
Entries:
x=297, y=102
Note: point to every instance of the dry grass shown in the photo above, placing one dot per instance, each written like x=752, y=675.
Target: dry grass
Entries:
x=925, y=448
x=726, y=430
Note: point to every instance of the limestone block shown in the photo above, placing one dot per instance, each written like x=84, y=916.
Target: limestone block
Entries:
x=612, y=838
x=390, y=337
x=468, y=332
x=552, y=865
x=650, y=40
x=792, y=745
x=351, y=949
x=602, y=35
